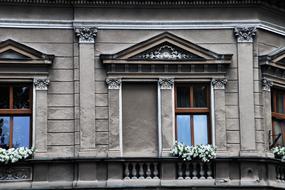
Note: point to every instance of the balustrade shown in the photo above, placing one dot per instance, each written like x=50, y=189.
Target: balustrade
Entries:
x=194, y=170
x=141, y=170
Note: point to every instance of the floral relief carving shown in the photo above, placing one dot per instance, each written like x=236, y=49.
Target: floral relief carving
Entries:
x=17, y=173
x=245, y=34
x=41, y=83
x=113, y=83
x=166, y=83
x=86, y=34
x=219, y=83
x=266, y=84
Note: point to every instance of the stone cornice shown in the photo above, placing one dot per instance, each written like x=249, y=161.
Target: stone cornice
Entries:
x=153, y=3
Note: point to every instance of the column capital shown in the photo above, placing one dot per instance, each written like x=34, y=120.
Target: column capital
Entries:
x=41, y=83
x=219, y=83
x=113, y=83
x=166, y=83
x=266, y=84
x=245, y=33
x=86, y=34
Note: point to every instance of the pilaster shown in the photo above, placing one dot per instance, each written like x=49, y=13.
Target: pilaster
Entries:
x=218, y=86
x=40, y=113
x=166, y=108
x=87, y=36
x=245, y=37
x=115, y=128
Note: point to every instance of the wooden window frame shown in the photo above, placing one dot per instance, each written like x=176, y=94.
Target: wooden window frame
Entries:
x=11, y=112
x=194, y=110
x=276, y=115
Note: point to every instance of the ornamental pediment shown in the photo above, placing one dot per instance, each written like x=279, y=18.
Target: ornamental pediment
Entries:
x=166, y=48
x=12, y=52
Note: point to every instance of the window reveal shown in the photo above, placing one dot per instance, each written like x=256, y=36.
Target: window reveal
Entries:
x=278, y=116
x=192, y=111
x=15, y=115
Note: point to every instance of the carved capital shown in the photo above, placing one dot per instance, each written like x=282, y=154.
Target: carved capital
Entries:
x=219, y=84
x=41, y=83
x=86, y=34
x=245, y=34
x=166, y=83
x=15, y=173
x=266, y=84
x=113, y=84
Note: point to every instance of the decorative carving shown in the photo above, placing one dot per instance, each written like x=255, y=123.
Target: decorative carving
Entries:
x=167, y=52
x=15, y=173
x=245, y=34
x=166, y=83
x=86, y=34
x=113, y=83
x=219, y=83
x=41, y=83
x=266, y=84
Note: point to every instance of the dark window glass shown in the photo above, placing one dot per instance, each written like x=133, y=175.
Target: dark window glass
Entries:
x=21, y=97
x=4, y=132
x=4, y=97
x=200, y=96
x=278, y=117
x=183, y=97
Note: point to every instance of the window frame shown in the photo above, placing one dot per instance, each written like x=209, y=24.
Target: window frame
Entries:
x=276, y=115
x=192, y=110
x=11, y=112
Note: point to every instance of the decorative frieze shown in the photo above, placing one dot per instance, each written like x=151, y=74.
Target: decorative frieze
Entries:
x=113, y=83
x=41, y=83
x=167, y=52
x=15, y=173
x=266, y=84
x=219, y=83
x=86, y=34
x=166, y=83
x=245, y=34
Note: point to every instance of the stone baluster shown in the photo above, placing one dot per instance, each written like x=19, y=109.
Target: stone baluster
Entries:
x=155, y=171
x=187, y=171
x=209, y=171
x=134, y=171
x=141, y=172
x=148, y=171
x=194, y=172
x=127, y=171
x=180, y=172
x=202, y=172
x=277, y=173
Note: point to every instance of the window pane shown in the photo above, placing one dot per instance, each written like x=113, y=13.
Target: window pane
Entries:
x=200, y=96
x=183, y=129
x=278, y=127
x=21, y=131
x=200, y=129
x=183, y=97
x=21, y=97
x=4, y=132
x=4, y=97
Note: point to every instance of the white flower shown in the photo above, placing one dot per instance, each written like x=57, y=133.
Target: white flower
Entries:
x=14, y=154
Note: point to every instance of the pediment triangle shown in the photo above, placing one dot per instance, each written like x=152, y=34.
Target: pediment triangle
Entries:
x=12, y=54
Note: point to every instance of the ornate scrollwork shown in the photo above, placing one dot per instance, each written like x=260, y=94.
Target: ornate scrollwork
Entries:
x=166, y=83
x=266, y=84
x=86, y=34
x=219, y=83
x=113, y=83
x=245, y=34
x=41, y=83
x=15, y=173
x=166, y=52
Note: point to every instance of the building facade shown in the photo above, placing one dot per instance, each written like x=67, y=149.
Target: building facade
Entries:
x=103, y=89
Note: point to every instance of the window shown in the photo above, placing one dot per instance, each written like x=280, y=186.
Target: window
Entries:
x=192, y=112
x=15, y=115
x=278, y=116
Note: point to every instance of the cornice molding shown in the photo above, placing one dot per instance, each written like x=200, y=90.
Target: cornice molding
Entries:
x=278, y=4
